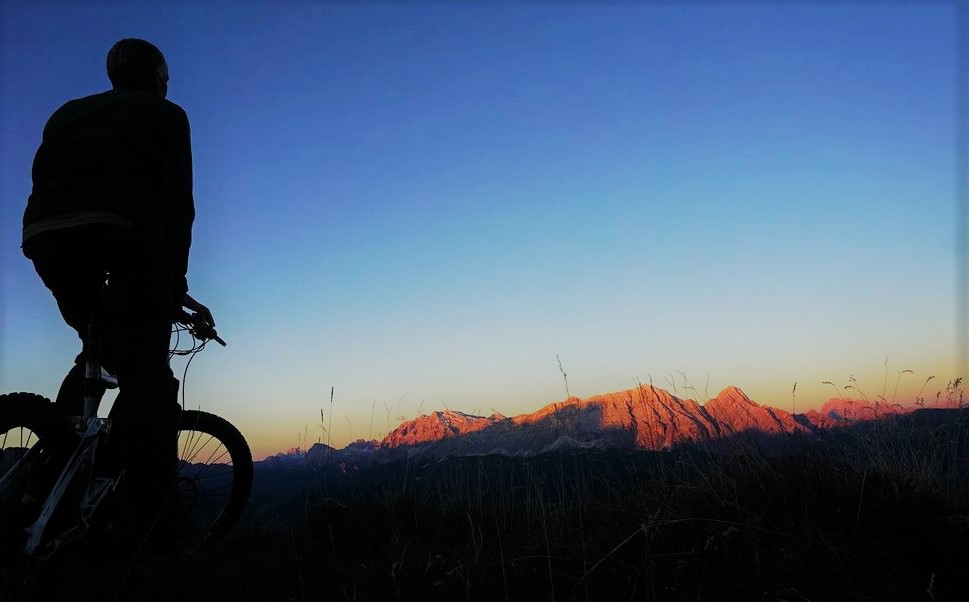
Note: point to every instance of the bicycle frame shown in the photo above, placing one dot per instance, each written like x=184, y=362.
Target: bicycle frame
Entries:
x=91, y=430
x=77, y=488
x=80, y=465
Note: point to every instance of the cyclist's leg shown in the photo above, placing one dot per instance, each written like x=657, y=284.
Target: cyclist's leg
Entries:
x=140, y=302
x=75, y=278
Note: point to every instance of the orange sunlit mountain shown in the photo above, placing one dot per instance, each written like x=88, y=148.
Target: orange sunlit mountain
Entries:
x=645, y=418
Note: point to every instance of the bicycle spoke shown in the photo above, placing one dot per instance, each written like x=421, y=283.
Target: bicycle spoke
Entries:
x=214, y=470
x=200, y=469
x=202, y=449
x=187, y=442
x=191, y=442
x=20, y=436
x=212, y=460
x=198, y=449
x=200, y=476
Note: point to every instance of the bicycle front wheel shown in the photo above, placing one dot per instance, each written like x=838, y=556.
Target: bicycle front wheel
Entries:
x=214, y=473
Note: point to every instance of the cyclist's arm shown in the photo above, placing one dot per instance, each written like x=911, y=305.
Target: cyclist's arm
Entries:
x=192, y=304
x=180, y=205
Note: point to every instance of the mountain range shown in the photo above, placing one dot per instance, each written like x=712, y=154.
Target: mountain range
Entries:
x=645, y=418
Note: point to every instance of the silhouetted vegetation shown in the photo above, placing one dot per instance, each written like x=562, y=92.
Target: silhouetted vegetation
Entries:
x=879, y=511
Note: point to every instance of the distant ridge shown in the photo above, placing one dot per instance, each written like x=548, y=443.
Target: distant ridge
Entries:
x=646, y=417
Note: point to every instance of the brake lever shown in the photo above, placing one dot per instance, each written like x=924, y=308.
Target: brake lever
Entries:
x=199, y=328
x=202, y=330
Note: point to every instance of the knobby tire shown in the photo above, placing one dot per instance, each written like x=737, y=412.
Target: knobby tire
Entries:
x=212, y=450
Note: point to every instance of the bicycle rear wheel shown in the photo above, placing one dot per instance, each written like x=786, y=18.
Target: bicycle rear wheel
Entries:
x=214, y=474
x=35, y=441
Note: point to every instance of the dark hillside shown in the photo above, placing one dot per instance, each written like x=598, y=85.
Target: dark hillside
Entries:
x=879, y=511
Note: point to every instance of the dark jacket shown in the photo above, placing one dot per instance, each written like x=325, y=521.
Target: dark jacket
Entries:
x=121, y=153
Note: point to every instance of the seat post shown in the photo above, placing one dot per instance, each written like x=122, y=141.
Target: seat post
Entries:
x=92, y=373
x=92, y=361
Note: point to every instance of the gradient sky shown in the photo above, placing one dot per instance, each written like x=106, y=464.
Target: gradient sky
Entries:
x=424, y=205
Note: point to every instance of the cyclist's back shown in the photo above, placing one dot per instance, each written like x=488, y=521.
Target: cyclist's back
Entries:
x=121, y=157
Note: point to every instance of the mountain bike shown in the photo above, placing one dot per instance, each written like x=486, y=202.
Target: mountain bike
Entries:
x=55, y=491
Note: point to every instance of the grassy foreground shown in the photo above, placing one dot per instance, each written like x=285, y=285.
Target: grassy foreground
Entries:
x=877, y=512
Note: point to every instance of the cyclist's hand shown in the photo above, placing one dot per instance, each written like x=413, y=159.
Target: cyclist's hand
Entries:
x=198, y=308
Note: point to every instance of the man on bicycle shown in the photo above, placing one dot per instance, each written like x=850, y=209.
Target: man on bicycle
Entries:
x=112, y=192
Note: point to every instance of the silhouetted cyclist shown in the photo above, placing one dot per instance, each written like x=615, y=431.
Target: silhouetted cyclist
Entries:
x=112, y=191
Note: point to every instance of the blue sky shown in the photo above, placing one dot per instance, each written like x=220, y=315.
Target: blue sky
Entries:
x=425, y=205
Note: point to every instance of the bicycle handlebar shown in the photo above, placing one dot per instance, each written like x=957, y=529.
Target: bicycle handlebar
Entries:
x=198, y=327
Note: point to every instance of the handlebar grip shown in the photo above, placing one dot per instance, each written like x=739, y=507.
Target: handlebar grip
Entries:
x=199, y=327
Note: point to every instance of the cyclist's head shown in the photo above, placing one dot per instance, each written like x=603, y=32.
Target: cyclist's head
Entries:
x=135, y=64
